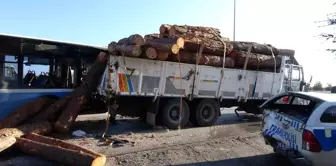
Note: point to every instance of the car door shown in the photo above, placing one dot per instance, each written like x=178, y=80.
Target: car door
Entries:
x=285, y=128
x=324, y=128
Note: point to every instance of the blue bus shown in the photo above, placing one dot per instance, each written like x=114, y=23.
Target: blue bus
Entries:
x=33, y=67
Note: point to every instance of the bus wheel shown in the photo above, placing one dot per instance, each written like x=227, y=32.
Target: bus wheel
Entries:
x=170, y=114
x=206, y=113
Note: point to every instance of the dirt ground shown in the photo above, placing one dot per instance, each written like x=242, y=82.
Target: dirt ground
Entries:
x=232, y=141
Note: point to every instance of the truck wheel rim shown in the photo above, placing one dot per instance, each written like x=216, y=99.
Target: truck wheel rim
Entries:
x=174, y=113
x=207, y=113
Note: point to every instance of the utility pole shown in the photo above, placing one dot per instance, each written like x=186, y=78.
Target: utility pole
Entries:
x=234, y=20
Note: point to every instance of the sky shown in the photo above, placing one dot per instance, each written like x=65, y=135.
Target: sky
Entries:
x=282, y=23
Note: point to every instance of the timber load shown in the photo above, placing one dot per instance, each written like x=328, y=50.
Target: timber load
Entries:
x=182, y=43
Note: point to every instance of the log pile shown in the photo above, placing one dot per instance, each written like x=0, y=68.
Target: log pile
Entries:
x=181, y=43
x=23, y=126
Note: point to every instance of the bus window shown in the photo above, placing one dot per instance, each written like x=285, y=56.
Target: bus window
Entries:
x=8, y=71
x=35, y=72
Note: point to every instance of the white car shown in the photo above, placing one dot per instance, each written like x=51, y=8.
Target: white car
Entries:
x=302, y=125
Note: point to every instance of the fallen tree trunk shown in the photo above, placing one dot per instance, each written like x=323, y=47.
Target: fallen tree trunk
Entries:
x=164, y=30
x=204, y=59
x=52, y=112
x=59, y=151
x=25, y=111
x=128, y=50
x=151, y=36
x=256, y=47
x=213, y=47
x=255, y=61
x=135, y=39
x=80, y=95
x=164, y=46
x=197, y=31
x=7, y=134
x=149, y=53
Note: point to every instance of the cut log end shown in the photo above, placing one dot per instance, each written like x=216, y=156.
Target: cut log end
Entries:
x=180, y=42
x=151, y=53
x=175, y=49
x=162, y=56
x=112, y=47
x=99, y=161
x=136, y=52
x=136, y=39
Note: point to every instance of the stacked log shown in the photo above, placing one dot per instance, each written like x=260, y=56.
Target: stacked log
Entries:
x=185, y=41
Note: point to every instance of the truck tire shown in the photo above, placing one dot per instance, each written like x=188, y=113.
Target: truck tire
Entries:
x=170, y=114
x=206, y=113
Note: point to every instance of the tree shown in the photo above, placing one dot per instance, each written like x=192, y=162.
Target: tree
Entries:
x=328, y=87
x=317, y=86
x=330, y=21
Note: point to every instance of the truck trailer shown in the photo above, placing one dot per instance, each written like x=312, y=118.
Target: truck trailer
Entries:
x=171, y=93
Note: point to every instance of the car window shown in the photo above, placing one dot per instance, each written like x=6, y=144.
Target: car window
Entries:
x=329, y=115
x=300, y=101
x=283, y=100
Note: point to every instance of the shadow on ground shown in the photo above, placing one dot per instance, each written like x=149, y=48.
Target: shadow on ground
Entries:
x=259, y=160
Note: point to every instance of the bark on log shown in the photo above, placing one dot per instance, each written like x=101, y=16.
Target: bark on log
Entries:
x=167, y=46
x=152, y=36
x=164, y=30
x=255, y=61
x=149, y=53
x=59, y=151
x=205, y=59
x=53, y=111
x=129, y=50
x=213, y=47
x=162, y=56
x=25, y=111
x=256, y=47
x=7, y=133
x=198, y=31
x=80, y=95
x=179, y=41
x=135, y=39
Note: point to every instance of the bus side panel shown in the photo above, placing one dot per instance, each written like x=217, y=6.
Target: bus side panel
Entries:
x=11, y=99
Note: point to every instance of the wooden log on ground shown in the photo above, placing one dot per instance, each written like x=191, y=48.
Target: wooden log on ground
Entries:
x=257, y=48
x=134, y=39
x=151, y=36
x=52, y=112
x=129, y=50
x=80, y=95
x=162, y=56
x=204, y=59
x=59, y=151
x=160, y=45
x=164, y=30
x=7, y=134
x=256, y=61
x=149, y=53
x=198, y=31
x=25, y=112
x=213, y=47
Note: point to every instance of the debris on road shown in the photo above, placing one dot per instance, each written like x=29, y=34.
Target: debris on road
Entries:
x=79, y=133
